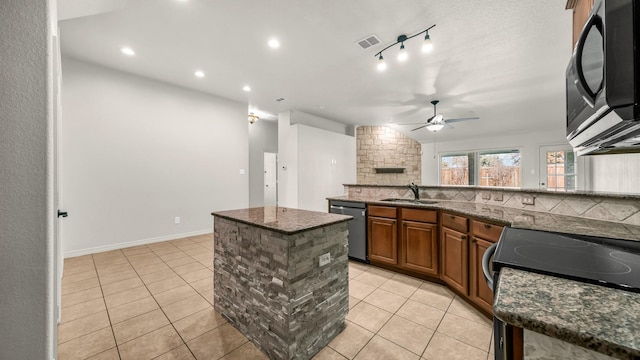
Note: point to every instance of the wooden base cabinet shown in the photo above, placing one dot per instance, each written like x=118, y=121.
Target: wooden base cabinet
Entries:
x=482, y=236
x=420, y=247
x=455, y=261
x=479, y=292
x=382, y=230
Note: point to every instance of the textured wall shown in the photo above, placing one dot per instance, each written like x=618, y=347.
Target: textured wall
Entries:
x=381, y=146
x=26, y=258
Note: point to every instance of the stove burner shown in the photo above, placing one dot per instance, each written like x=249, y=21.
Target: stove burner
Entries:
x=556, y=241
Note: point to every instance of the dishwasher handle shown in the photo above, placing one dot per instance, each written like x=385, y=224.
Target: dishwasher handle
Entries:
x=486, y=262
x=337, y=207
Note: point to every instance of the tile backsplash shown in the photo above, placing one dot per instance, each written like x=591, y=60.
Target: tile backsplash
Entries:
x=615, y=208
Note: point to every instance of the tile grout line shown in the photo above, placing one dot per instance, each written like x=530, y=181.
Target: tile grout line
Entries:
x=106, y=308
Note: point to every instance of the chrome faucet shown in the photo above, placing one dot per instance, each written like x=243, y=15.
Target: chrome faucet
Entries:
x=416, y=192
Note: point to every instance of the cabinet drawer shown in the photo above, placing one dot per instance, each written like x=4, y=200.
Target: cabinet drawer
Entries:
x=430, y=216
x=486, y=231
x=383, y=211
x=455, y=222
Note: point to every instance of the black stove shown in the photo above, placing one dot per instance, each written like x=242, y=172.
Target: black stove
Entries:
x=602, y=261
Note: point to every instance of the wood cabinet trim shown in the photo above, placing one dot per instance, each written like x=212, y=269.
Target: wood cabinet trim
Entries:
x=427, y=259
x=390, y=212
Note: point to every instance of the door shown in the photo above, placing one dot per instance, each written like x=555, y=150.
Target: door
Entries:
x=479, y=292
x=455, y=259
x=419, y=247
x=383, y=240
x=270, y=179
x=558, y=165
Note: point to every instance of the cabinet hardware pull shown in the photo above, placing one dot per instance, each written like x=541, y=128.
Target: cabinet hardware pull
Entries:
x=463, y=237
x=453, y=217
x=473, y=241
x=487, y=226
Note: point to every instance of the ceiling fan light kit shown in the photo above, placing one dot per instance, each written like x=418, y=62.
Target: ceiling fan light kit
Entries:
x=403, y=55
x=437, y=121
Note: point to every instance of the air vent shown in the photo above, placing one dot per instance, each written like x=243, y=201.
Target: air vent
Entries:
x=368, y=41
x=280, y=99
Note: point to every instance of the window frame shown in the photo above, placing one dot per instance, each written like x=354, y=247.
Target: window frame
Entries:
x=476, y=166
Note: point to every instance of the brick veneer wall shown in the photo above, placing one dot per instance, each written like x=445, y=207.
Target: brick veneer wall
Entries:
x=381, y=146
x=270, y=286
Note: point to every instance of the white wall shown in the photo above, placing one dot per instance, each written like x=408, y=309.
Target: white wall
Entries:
x=614, y=173
x=326, y=161
x=263, y=137
x=27, y=262
x=287, y=162
x=528, y=143
x=138, y=153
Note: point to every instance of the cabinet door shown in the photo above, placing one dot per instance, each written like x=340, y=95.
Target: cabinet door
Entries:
x=454, y=259
x=479, y=291
x=383, y=240
x=420, y=247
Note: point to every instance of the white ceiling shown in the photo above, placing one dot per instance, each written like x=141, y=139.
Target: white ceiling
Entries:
x=501, y=60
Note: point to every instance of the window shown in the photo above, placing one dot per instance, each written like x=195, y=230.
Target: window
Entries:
x=494, y=168
x=561, y=170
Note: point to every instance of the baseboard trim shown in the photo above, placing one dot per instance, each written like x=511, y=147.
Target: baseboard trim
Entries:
x=123, y=245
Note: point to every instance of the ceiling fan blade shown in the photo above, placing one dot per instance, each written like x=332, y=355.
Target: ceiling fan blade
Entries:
x=447, y=126
x=420, y=123
x=418, y=128
x=462, y=119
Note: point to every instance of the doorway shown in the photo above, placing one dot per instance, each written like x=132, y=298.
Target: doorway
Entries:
x=558, y=168
x=270, y=179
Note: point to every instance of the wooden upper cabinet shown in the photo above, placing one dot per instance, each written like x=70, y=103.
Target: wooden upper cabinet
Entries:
x=581, y=10
x=420, y=247
x=454, y=257
x=383, y=239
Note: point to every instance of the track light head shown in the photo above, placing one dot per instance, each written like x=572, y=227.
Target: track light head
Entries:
x=402, y=55
x=382, y=65
x=427, y=45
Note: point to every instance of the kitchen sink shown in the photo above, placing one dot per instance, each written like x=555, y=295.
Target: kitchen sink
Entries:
x=411, y=201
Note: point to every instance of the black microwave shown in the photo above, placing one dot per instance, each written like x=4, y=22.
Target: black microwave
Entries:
x=603, y=80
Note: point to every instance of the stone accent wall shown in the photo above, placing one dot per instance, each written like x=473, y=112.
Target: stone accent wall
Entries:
x=622, y=209
x=383, y=147
x=270, y=286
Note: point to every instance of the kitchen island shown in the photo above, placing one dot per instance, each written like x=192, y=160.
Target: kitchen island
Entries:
x=281, y=277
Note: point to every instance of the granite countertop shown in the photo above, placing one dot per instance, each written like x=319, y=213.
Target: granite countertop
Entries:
x=285, y=220
x=599, y=318
x=518, y=218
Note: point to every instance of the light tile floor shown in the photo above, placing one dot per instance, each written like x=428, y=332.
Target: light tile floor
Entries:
x=155, y=302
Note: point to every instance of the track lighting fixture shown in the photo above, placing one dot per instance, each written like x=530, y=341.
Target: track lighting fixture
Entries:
x=403, y=55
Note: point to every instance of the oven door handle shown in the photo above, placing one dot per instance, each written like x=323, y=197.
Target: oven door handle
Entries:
x=486, y=262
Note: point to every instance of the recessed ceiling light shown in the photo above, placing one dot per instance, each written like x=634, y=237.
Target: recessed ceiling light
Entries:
x=274, y=43
x=128, y=51
x=199, y=73
x=246, y=88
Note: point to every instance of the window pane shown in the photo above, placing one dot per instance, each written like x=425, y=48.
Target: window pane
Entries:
x=454, y=170
x=500, y=168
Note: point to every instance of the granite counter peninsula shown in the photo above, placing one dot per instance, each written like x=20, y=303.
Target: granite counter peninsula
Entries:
x=268, y=281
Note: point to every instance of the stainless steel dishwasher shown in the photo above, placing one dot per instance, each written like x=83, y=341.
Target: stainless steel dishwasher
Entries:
x=357, y=226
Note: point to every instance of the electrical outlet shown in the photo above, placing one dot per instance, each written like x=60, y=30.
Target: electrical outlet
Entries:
x=485, y=196
x=497, y=196
x=324, y=259
x=177, y=220
x=527, y=200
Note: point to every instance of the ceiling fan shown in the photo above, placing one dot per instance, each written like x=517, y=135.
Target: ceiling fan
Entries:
x=437, y=121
